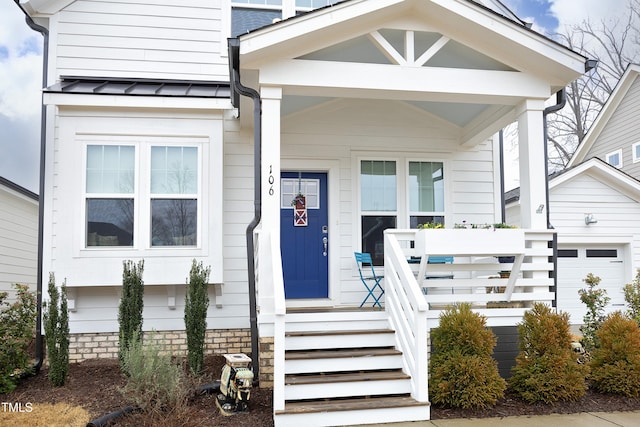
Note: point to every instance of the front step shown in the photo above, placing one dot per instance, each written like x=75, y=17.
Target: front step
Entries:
x=344, y=365
x=342, y=412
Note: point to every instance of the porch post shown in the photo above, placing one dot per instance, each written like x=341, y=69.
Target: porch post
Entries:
x=271, y=99
x=532, y=165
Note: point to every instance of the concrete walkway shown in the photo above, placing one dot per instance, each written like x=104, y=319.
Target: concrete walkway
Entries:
x=585, y=419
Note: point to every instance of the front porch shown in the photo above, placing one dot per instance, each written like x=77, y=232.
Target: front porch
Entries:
x=358, y=366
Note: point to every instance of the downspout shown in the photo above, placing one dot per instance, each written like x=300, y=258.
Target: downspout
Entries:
x=240, y=89
x=39, y=356
x=503, y=214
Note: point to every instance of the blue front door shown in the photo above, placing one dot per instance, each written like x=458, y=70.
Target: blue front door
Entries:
x=304, y=240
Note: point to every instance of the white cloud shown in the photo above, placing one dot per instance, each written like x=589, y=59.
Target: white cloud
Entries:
x=571, y=12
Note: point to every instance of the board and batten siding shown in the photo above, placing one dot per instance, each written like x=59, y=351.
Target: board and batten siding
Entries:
x=621, y=132
x=18, y=240
x=349, y=130
x=156, y=39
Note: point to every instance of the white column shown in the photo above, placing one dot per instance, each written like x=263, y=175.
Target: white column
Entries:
x=533, y=178
x=271, y=99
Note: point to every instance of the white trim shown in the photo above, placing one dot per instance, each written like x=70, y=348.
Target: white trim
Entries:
x=332, y=169
x=119, y=101
x=613, y=153
x=635, y=152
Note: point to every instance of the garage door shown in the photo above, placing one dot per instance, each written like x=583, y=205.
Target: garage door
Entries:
x=575, y=262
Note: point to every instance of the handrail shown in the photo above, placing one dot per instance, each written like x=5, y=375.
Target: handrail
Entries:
x=407, y=310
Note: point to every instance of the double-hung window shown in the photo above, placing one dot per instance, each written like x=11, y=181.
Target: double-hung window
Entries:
x=385, y=185
x=635, y=149
x=110, y=204
x=174, y=196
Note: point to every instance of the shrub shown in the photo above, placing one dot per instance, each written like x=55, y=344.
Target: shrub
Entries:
x=131, y=304
x=154, y=383
x=195, y=315
x=615, y=365
x=546, y=368
x=17, y=329
x=595, y=300
x=632, y=298
x=56, y=327
x=462, y=370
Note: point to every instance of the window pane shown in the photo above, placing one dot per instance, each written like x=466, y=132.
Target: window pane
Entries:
x=110, y=169
x=174, y=170
x=109, y=222
x=416, y=220
x=372, y=235
x=378, y=185
x=426, y=187
x=174, y=222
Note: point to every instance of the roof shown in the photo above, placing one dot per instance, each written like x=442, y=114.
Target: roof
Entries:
x=141, y=87
x=598, y=167
x=17, y=188
x=610, y=107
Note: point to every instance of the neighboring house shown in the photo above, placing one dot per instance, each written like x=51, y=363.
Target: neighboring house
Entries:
x=18, y=237
x=595, y=209
x=382, y=113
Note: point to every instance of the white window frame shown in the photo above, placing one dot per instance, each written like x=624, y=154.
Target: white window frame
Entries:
x=613, y=153
x=411, y=213
x=635, y=152
x=142, y=196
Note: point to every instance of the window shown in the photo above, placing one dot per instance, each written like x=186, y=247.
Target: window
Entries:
x=426, y=193
x=635, y=149
x=174, y=196
x=109, y=195
x=378, y=205
x=615, y=159
x=166, y=205
x=381, y=190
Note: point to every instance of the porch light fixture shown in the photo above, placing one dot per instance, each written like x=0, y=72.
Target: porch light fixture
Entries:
x=590, y=219
x=540, y=209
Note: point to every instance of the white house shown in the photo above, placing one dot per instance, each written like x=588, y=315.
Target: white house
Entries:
x=594, y=204
x=595, y=209
x=18, y=237
x=168, y=143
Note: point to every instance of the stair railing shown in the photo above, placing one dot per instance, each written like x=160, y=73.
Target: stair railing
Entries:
x=407, y=309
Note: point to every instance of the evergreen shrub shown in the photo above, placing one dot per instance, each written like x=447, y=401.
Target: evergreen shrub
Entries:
x=131, y=305
x=547, y=369
x=462, y=370
x=195, y=315
x=615, y=365
x=56, y=327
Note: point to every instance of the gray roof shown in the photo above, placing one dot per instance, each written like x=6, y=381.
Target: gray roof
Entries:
x=141, y=87
x=15, y=187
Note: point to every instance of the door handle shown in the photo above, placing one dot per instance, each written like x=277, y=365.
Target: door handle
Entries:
x=325, y=244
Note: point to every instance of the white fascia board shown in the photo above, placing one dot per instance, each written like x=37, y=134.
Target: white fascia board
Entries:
x=46, y=7
x=348, y=79
x=116, y=101
x=356, y=14
x=610, y=107
x=604, y=173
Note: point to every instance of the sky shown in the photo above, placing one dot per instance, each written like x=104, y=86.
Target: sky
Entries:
x=21, y=74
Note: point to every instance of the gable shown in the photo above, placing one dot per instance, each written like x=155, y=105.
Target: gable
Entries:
x=616, y=127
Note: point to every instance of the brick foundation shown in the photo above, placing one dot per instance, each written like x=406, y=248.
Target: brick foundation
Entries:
x=266, y=362
x=104, y=345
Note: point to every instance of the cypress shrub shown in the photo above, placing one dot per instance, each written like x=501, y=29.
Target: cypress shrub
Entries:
x=462, y=370
x=615, y=365
x=195, y=315
x=547, y=370
x=595, y=300
x=131, y=305
x=56, y=327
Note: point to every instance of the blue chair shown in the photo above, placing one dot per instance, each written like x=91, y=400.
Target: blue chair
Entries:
x=372, y=282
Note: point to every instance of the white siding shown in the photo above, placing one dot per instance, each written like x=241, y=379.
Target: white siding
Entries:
x=18, y=240
x=148, y=39
x=621, y=132
x=349, y=130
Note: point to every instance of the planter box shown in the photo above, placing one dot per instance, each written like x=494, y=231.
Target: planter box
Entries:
x=474, y=242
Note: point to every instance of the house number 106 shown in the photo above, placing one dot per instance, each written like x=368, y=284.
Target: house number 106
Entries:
x=271, y=180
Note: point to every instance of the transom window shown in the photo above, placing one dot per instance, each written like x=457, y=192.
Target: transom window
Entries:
x=383, y=183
